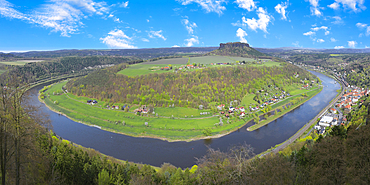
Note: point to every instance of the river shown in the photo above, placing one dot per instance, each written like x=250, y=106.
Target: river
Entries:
x=183, y=154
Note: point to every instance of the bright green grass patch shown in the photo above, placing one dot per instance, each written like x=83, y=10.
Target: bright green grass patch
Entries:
x=240, y=59
x=143, y=69
x=267, y=64
x=16, y=63
x=182, y=61
x=248, y=99
x=337, y=55
x=181, y=112
x=211, y=59
x=176, y=129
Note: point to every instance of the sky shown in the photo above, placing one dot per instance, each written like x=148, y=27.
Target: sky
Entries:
x=110, y=24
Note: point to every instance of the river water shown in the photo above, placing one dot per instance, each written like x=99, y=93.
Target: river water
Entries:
x=183, y=154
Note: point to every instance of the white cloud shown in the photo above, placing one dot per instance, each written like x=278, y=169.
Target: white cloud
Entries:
x=241, y=34
x=123, y=4
x=60, y=16
x=296, y=44
x=153, y=34
x=367, y=47
x=147, y=20
x=352, y=44
x=334, y=6
x=208, y=5
x=117, y=39
x=327, y=32
x=338, y=20
x=117, y=20
x=261, y=23
x=361, y=25
x=145, y=40
x=175, y=46
x=280, y=8
x=246, y=4
x=315, y=7
x=310, y=33
x=333, y=39
x=189, y=26
x=320, y=40
x=338, y=47
x=319, y=28
x=238, y=24
x=355, y=5
x=192, y=41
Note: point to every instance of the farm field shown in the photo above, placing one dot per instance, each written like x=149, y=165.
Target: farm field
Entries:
x=143, y=69
x=211, y=59
x=169, y=61
x=267, y=64
x=20, y=62
x=154, y=67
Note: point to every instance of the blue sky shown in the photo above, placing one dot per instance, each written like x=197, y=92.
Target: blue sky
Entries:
x=95, y=24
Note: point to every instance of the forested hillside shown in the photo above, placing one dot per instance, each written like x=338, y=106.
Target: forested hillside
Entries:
x=185, y=89
x=148, y=53
x=355, y=66
x=32, y=72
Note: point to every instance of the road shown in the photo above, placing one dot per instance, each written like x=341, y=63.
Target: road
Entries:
x=309, y=124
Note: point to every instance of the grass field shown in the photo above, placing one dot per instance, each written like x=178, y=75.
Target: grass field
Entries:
x=16, y=63
x=169, y=61
x=143, y=69
x=181, y=112
x=211, y=59
x=172, y=129
x=20, y=62
x=248, y=99
x=268, y=64
x=2, y=71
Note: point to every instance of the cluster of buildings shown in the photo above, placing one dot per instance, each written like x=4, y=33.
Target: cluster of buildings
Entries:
x=335, y=116
x=240, y=111
x=273, y=100
x=350, y=98
x=92, y=102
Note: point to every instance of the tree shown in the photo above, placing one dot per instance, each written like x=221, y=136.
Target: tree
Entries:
x=104, y=178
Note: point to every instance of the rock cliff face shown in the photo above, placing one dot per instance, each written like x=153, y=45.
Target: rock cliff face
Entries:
x=236, y=49
x=233, y=44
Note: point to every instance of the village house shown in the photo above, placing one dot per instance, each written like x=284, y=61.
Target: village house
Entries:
x=325, y=121
x=332, y=110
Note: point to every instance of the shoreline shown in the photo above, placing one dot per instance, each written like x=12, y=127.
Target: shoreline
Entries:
x=138, y=136
x=219, y=135
x=248, y=129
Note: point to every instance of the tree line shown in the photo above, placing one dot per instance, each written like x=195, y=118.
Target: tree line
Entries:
x=35, y=71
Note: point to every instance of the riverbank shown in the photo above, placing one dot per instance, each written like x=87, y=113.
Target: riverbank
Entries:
x=142, y=126
x=285, y=111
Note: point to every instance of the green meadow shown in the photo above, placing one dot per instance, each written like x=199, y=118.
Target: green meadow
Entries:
x=158, y=127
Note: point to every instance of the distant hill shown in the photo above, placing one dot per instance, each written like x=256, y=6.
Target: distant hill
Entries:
x=236, y=49
x=140, y=53
x=296, y=50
